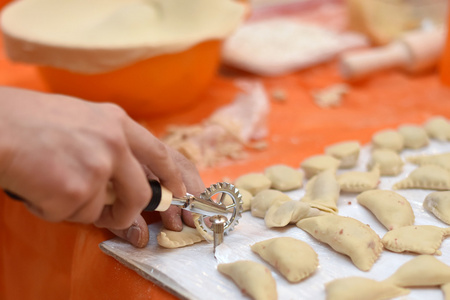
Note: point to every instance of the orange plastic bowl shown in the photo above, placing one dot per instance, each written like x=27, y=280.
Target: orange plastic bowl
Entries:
x=156, y=86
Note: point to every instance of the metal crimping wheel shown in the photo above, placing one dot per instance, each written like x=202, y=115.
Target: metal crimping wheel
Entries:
x=218, y=193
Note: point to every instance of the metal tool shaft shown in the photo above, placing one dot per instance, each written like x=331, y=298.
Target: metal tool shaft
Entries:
x=200, y=206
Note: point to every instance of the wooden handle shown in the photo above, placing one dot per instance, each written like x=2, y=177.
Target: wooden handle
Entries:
x=160, y=200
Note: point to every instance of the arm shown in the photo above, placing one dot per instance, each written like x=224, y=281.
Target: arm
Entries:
x=60, y=152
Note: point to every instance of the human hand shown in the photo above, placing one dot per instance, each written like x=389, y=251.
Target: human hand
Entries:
x=59, y=153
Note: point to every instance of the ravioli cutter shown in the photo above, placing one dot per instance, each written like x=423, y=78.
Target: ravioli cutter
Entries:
x=219, y=207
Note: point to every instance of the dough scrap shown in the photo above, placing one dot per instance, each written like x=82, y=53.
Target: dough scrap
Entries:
x=441, y=160
x=438, y=203
x=263, y=200
x=253, y=182
x=426, y=177
x=390, y=208
x=388, y=139
x=347, y=236
x=174, y=239
x=414, y=136
x=423, y=270
x=356, y=182
x=421, y=239
x=438, y=128
x=284, y=178
x=351, y=288
x=253, y=278
x=283, y=213
x=390, y=162
x=293, y=258
x=318, y=163
x=322, y=191
x=346, y=152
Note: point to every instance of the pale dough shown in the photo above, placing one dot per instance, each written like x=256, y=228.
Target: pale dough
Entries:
x=346, y=152
x=253, y=182
x=283, y=213
x=253, y=278
x=438, y=203
x=421, y=271
x=352, y=288
x=414, y=136
x=441, y=160
x=438, y=128
x=421, y=239
x=356, y=182
x=174, y=239
x=284, y=178
x=446, y=290
x=390, y=162
x=265, y=199
x=318, y=163
x=426, y=177
x=322, y=191
x=347, y=236
x=294, y=259
x=246, y=199
x=388, y=139
x=390, y=208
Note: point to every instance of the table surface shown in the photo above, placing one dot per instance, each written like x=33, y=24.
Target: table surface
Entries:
x=62, y=261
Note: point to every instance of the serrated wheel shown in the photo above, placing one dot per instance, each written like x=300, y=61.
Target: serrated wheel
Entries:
x=218, y=193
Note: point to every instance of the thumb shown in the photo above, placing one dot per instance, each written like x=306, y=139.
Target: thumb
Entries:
x=137, y=234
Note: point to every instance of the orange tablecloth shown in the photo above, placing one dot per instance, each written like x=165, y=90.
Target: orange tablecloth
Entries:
x=40, y=260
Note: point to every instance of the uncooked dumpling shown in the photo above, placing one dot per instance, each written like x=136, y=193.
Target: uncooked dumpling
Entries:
x=390, y=162
x=426, y=177
x=265, y=199
x=423, y=270
x=414, y=136
x=294, y=259
x=177, y=239
x=283, y=213
x=253, y=278
x=441, y=160
x=421, y=239
x=438, y=203
x=284, y=178
x=322, y=191
x=253, y=182
x=356, y=182
x=438, y=128
x=388, y=139
x=390, y=208
x=318, y=163
x=346, y=152
x=352, y=288
x=347, y=236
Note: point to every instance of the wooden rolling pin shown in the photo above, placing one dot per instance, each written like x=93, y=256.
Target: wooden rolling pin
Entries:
x=416, y=51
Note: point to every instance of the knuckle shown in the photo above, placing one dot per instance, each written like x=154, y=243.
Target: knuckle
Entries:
x=114, y=110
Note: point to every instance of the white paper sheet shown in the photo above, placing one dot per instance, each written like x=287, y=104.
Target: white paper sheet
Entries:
x=191, y=273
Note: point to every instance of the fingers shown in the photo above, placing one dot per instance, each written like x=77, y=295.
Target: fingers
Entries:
x=153, y=153
x=137, y=234
x=132, y=194
x=171, y=218
x=188, y=218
